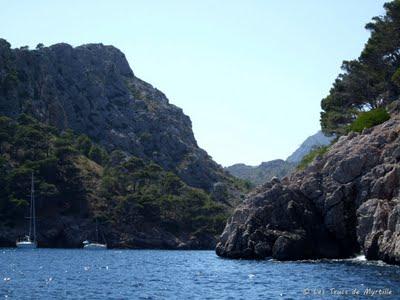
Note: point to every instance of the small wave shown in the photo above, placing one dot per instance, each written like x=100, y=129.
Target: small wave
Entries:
x=360, y=257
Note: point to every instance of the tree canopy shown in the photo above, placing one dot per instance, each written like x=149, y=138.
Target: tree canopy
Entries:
x=372, y=80
x=75, y=176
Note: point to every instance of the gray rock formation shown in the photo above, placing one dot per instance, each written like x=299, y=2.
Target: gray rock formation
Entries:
x=344, y=202
x=378, y=229
x=92, y=89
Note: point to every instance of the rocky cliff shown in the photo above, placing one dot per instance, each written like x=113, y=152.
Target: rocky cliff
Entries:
x=345, y=202
x=88, y=108
x=91, y=89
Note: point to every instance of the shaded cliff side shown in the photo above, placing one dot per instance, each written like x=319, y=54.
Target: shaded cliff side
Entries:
x=345, y=201
x=78, y=183
x=87, y=107
x=91, y=89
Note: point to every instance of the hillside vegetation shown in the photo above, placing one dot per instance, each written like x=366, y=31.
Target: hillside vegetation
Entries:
x=76, y=177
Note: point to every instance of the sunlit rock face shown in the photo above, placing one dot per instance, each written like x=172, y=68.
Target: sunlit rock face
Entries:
x=91, y=89
x=344, y=202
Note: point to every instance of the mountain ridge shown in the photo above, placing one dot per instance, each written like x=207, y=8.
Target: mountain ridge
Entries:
x=316, y=140
x=92, y=90
x=258, y=175
x=279, y=168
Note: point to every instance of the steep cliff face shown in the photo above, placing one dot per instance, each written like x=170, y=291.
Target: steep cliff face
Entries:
x=91, y=89
x=344, y=202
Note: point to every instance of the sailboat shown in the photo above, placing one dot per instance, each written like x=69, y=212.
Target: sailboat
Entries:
x=29, y=241
x=94, y=245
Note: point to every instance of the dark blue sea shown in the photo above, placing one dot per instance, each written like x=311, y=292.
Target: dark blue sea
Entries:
x=152, y=274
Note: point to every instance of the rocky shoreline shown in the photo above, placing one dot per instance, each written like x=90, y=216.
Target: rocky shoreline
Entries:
x=345, y=202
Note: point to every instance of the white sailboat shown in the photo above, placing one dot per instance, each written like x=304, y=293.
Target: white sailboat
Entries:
x=94, y=245
x=29, y=241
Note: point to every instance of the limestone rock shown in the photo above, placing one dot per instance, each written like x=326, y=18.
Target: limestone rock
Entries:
x=344, y=202
x=91, y=89
x=378, y=229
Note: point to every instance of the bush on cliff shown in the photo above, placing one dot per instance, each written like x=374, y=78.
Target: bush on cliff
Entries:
x=369, y=119
x=308, y=158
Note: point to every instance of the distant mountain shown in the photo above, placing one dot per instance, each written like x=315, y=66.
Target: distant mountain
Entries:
x=316, y=140
x=278, y=167
x=262, y=173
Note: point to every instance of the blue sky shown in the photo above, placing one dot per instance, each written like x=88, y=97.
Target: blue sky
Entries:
x=250, y=74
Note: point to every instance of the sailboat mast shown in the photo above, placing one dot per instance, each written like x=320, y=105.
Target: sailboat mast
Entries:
x=33, y=215
x=30, y=212
x=97, y=232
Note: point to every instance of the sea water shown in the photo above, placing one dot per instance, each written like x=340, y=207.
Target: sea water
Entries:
x=158, y=274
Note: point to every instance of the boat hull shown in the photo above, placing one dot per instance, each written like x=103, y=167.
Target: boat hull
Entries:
x=95, y=246
x=26, y=245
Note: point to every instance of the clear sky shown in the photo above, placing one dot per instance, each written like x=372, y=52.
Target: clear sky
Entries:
x=250, y=74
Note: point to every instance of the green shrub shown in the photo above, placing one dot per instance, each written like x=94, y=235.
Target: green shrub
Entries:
x=84, y=144
x=308, y=158
x=369, y=119
x=64, y=152
x=396, y=78
x=96, y=154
